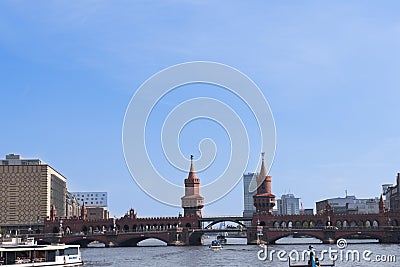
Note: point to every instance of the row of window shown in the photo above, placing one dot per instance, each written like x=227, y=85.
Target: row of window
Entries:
x=88, y=198
x=91, y=195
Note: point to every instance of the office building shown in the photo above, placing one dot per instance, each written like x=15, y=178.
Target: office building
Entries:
x=248, y=201
x=91, y=199
x=392, y=195
x=28, y=188
x=73, y=208
x=349, y=205
x=288, y=204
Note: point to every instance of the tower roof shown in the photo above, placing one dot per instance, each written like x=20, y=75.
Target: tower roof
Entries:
x=263, y=171
x=192, y=172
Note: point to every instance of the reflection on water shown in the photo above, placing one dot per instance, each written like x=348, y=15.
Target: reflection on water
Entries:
x=153, y=252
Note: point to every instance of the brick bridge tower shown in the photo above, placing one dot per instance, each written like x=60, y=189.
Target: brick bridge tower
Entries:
x=264, y=200
x=192, y=201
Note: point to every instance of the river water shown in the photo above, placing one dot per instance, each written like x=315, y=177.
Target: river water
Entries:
x=236, y=253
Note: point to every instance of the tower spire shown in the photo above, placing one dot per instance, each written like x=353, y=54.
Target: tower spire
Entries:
x=192, y=201
x=192, y=172
x=264, y=200
x=263, y=171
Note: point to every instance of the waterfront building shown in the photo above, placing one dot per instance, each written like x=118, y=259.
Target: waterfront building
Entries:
x=73, y=208
x=91, y=199
x=97, y=213
x=264, y=200
x=349, y=205
x=307, y=212
x=288, y=204
x=192, y=201
x=248, y=200
x=29, y=187
x=392, y=194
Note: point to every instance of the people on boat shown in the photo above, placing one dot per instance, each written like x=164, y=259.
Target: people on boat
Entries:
x=313, y=261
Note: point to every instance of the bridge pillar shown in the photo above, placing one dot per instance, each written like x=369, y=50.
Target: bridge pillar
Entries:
x=329, y=236
x=177, y=237
x=255, y=236
x=392, y=236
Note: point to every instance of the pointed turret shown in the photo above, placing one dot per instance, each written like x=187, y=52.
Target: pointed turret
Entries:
x=192, y=172
x=192, y=202
x=264, y=200
x=83, y=211
x=53, y=212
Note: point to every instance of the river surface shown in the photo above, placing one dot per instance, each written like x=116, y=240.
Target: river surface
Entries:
x=236, y=253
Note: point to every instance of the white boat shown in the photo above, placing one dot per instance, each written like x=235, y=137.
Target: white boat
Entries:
x=215, y=245
x=26, y=254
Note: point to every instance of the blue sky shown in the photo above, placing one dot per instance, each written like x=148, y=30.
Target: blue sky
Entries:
x=329, y=70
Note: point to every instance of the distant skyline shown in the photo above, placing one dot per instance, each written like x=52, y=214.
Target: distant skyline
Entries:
x=329, y=70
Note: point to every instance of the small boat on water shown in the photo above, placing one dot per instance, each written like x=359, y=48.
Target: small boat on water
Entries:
x=17, y=253
x=222, y=238
x=215, y=245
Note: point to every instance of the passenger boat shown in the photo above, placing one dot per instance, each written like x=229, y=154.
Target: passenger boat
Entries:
x=26, y=254
x=215, y=245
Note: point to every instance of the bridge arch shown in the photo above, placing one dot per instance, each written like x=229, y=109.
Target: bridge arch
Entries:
x=133, y=241
x=226, y=220
x=286, y=234
x=83, y=241
x=67, y=230
x=364, y=235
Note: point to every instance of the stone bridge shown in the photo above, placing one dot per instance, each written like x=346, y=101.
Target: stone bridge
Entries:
x=327, y=235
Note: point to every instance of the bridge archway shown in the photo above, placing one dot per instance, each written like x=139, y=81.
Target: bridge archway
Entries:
x=210, y=225
x=358, y=234
x=67, y=230
x=135, y=241
x=285, y=234
x=152, y=241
